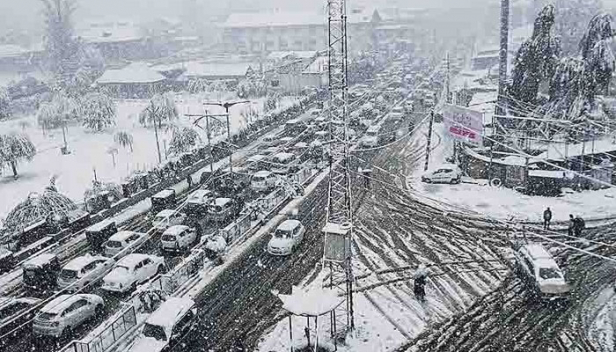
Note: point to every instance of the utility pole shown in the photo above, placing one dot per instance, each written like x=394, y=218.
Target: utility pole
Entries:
x=448, y=86
x=228, y=105
x=429, y=141
x=502, y=70
x=154, y=111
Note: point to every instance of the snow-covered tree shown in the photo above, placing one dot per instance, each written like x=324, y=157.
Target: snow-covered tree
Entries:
x=99, y=111
x=182, y=140
x=536, y=59
x=596, y=50
x=272, y=102
x=5, y=103
x=569, y=90
x=15, y=148
x=198, y=86
x=161, y=108
x=124, y=139
x=60, y=110
x=60, y=43
x=38, y=207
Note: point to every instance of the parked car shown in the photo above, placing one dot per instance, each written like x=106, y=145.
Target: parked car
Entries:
x=81, y=271
x=7, y=260
x=15, y=312
x=263, y=181
x=286, y=238
x=256, y=162
x=123, y=242
x=223, y=209
x=164, y=199
x=198, y=201
x=41, y=272
x=65, y=313
x=397, y=113
x=178, y=238
x=99, y=233
x=132, y=270
x=371, y=138
x=284, y=163
x=167, y=218
x=167, y=327
x=539, y=270
x=444, y=174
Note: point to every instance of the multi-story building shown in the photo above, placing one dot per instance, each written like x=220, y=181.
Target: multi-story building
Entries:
x=266, y=32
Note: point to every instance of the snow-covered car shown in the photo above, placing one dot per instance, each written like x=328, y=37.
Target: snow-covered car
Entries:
x=371, y=138
x=124, y=242
x=167, y=218
x=167, y=327
x=222, y=209
x=178, y=238
x=132, y=270
x=286, y=238
x=65, y=313
x=263, y=181
x=540, y=271
x=397, y=113
x=82, y=271
x=444, y=174
x=284, y=163
x=198, y=201
x=256, y=162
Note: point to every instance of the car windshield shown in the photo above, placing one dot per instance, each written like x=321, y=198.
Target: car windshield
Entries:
x=67, y=274
x=371, y=133
x=120, y=270
x=114, y=244
x=549, y=273
x=154, y=331
x=282, y=233
x=47, y=316
x=168, y=238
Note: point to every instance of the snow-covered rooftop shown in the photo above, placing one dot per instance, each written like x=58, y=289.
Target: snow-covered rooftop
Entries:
x=137, y=72
x=312, y=302
x=279, y=55
x=110, y=33
x=558, y=151
x=293, y=18
x=201, y=69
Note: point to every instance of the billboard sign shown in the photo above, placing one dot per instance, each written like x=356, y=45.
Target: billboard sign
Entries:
x=463, y=124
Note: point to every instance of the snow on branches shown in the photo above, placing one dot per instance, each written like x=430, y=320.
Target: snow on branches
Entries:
x=99, y=111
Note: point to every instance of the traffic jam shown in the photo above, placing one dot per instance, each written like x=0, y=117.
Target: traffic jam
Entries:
x=62, y=291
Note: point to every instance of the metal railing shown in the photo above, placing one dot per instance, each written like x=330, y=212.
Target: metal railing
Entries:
x=111, y=333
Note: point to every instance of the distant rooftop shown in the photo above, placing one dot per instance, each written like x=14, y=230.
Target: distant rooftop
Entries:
x=137, y=72
x=293, y=18
x=110, y=32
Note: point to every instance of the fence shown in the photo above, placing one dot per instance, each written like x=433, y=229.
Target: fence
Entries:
x=126, y=320
x=236, y=228
x=170, y=282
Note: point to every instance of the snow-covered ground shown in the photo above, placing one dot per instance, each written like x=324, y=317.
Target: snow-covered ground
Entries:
x=504, y=203
x=89, y=151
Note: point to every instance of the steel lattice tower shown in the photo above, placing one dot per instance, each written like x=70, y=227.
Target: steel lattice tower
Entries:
x=339, y=211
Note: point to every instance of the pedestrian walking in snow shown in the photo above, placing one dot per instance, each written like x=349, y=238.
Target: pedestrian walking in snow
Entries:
x=420, y=282
x=189, y=180
x=547, y=217
x=571, y=227
x=579, y=226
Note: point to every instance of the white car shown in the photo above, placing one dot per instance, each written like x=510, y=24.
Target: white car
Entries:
x=83, y=270
x=132, y=270
x=284, y=163
x=444, y=174
x=178, y=238
x=263, y=181
x=124, y=242
x=397, y=113
x=540, y=271
x=286, y=238
x=198, y=201
x=371, y=138
x=65, y=313
x=167, y=218
x=167, y=327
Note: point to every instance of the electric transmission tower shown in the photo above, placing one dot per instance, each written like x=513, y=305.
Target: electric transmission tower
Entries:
x=339, y=228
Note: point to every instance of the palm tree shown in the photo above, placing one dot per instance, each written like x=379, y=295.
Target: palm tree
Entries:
x=161, y=108
x=57, y=113
x=5, y=103
x=124, y=139
x=112, y=151
x=99, y=111
x=15, y=148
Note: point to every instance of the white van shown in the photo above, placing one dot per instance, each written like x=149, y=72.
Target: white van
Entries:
x=539, y=270
x=371, y=138
x=123, y=240
x=263, y=181
x=178, y=238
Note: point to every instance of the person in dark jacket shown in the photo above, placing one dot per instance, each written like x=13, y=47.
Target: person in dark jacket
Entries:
x=547, y=217
x=579, y=226
x=420, y=283
x=571, y=225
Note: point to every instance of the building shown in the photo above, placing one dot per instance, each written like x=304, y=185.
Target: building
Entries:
x=137, y=80
x=266, y=32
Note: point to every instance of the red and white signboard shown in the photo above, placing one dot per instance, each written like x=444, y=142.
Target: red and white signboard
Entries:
x=463, y=124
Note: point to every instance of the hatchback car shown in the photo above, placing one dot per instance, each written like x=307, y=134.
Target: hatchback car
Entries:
x=263, y=181
x=198, y=201
x=178, y=238
x=167, y=218
x=132, y=270
x=284, y=163
x=539, y=270
x=81, y=271
x=124, y=242
x=65, y=313
x=444, y=174
x=286, y=238
x=167, y=327
x=222, y=209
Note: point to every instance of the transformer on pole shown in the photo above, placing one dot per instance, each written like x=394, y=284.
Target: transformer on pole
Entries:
x=339, y=228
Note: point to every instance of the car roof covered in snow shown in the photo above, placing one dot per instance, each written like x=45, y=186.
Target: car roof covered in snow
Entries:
x=175, y=229
x=288, y=225
x=165, y=213
x=60, y=303
x=164, y=193
x=39, y=260
x=132, y=259
x=284, y=156
x=256, y=158
x=99, y=226
x=537, y=251
x=169, y=311
x=222, y=201
x=79, y=262
x=262, y=173
x=374, y=128
x=121, y=235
